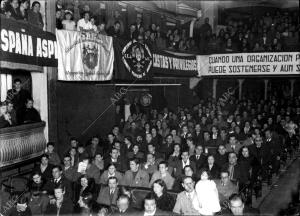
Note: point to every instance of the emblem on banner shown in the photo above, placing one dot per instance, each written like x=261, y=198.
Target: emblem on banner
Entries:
x=146, y=99
x=137, y=58
x=90, y=56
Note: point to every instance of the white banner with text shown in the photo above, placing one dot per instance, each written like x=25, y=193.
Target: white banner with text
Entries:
x=281, y=63
x=84, y=56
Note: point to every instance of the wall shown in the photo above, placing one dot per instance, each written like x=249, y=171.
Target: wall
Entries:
x=79, y=104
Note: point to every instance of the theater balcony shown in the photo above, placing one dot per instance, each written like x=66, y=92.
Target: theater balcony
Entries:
x=19, y=146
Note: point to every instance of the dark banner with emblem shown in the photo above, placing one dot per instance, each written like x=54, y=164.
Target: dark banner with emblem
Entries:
x=25, y=44
x=133, y=60
x=136, y=61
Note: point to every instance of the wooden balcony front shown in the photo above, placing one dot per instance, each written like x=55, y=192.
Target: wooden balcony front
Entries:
x=21, y=143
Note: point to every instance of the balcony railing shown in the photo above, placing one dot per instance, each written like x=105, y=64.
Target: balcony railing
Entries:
x=21, y=143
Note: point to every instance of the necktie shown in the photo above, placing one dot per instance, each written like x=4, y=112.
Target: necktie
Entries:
x=197, y=157
x=231, y=172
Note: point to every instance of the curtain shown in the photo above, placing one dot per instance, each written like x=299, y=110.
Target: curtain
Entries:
x=5, y=84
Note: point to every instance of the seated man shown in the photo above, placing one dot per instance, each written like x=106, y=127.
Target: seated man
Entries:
x=151, y=164
x=136, y=177
x=237, y=207
x=187, y=202
x=115, y=159
x=199, y=158
x=108, y=195
x=69, y=171
x=173, y=158
x=44, y=167
x=163, y=174
x=150, y=206
x=225, y=187
x=58, y=179
x=151, y=149
x=123, y=206
x=185, y=160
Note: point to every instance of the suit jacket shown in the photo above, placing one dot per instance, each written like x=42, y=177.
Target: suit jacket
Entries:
x=225, y=191
x=236, y=149
x=104, y=177
x=158, y=212
x=50, y=185
x=200, y=162
x=65, y=209
x=184, y=206
x=128, y=212
x=93, y=172
x=98, y=149
x=220, y=160
x=236, y=173
x=178, y=168
x=214, y=171
x=47, y=174
x=70, y=173
x=121, y=166
x=105, y=198
x=141, y=179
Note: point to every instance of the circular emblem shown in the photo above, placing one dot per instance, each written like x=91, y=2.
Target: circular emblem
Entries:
x=146, y=99
x=137, y=58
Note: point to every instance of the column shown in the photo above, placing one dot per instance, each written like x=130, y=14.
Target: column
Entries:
x=214, y=88
x=292, y=82
x=240, y=87
x=266, y=88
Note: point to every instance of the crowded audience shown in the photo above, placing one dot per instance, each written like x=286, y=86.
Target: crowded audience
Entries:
x=210, y=168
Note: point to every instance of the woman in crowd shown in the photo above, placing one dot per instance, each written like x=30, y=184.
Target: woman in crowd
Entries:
x=164, y=201
x=212, y=167
x=207, y=194
x=111, y=171
x=37, y=181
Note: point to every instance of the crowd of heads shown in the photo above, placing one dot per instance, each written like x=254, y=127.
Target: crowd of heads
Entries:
x=173, y=152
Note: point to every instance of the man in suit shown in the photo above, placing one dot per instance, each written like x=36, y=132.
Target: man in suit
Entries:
x=108, y=195
x=274, y=144
x=58, y=179
x=197, y=135
x=221, y=156
x=152, y=150
x=151, y=164
x=136, y=177
x=150, y=208
x=115, y=159
x=44, y=167
x=94, y=148
x=233, y=145
x=187, y=202
x=185, y=160
x=237, y=207
x=123, y=207
x=233, y=167
x=65, y=203
x=69, y=171
x=199, y=158
x=225, y=187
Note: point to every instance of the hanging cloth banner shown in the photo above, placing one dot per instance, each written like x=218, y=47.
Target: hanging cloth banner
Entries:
x=23, y=45
x=136, y=61
x=279, y=63
x=84, y=56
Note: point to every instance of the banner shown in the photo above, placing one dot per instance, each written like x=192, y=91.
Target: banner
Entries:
x=84, y=56
x=281, y=63
x=166, y=63
x=138, y=61
x=133, y=60
x=23, y=44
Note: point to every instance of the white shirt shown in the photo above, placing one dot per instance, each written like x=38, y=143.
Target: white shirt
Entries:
x=69, y=25
x=150, y=214
x=193, y=196
x=85, y=25
x=185, y=164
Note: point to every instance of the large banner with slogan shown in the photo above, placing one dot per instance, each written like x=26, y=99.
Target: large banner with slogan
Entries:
x=167, y=63
x=136, y=61
x=84, y=56
x=279, y=63
x=25, y=44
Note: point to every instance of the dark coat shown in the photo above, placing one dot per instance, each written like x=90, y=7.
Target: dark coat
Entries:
x=200, y=163
x=65, y=209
